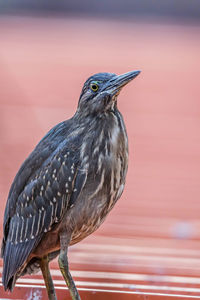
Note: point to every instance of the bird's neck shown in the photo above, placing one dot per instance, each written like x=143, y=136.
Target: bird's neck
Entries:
x=86, y=116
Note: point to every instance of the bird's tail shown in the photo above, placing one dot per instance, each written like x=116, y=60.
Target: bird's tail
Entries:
x=2, y=248
x=10, y=284
x=14, y=258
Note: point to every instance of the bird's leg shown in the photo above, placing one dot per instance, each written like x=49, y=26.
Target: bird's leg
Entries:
x=44, y=265
x=64, y=267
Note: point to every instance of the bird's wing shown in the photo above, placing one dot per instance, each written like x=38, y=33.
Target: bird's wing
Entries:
x=39, y=155
x=39, y=204
x=39, y=207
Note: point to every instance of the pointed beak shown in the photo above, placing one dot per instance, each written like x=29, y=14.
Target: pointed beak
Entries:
x=119, y=81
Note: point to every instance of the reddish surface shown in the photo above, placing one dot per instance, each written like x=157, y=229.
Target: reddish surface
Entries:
x=149, y=245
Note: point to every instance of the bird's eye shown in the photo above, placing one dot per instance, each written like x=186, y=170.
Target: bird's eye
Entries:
x=94, y=86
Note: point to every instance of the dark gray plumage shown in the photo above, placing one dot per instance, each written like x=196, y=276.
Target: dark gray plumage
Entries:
x=66, y=187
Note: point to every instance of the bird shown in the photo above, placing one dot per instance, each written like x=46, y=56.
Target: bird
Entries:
x=67, y=186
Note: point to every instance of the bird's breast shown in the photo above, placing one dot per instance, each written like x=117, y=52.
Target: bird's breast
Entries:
x=106, y=161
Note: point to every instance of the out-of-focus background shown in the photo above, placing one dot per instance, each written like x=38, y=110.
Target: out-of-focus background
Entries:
x=149, y=245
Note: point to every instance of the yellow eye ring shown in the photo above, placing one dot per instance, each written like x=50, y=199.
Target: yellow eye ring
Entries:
x=94, y=86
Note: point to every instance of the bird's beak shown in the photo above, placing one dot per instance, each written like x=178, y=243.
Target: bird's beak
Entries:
x=119, y=81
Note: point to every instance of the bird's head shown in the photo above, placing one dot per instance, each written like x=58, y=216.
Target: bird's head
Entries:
x=100, y=91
